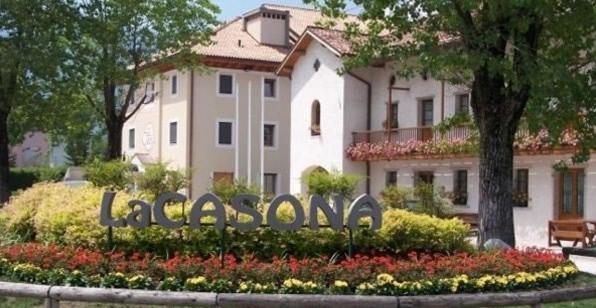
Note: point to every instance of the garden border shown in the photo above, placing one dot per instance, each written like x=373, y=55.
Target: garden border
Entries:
x=54, y=294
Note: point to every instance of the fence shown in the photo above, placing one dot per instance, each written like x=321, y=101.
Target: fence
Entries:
x=53, y=295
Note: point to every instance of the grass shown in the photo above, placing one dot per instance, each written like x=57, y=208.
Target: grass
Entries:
x=581, y=280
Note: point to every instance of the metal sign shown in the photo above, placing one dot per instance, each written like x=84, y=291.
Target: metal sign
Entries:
x=142, y=213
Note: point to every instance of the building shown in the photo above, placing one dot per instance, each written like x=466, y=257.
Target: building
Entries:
x=344, y=123
x=274, y=108
x=234, y=121
x=36, y=149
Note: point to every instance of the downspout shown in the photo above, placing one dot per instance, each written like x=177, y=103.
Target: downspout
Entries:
x=191, y=129
x=442, y=100
x=368, y=121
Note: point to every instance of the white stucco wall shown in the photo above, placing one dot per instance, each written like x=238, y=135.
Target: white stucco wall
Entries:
x=326, y=86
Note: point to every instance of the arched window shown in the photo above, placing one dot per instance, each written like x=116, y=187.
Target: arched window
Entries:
x=315, y=118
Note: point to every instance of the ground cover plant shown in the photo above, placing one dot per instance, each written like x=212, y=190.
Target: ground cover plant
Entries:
x=418, y=273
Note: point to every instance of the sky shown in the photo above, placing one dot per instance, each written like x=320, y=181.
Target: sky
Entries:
x=233, y=8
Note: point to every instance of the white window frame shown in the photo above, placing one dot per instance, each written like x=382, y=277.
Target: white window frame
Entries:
x=177, y=85
x=276, y=90
x=219, y=73
x=134, y=138
x=170, y=133
x=219, y=145
x=275, y=135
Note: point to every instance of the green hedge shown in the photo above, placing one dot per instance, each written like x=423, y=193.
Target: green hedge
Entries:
x=22, y=178
x=54, y=213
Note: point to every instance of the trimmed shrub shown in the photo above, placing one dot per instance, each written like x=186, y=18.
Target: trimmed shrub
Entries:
x=158, y=179
x=404, y=231
x=326, y=184
x=54, y=213
x=226, y=190
x=23, y=178
x=113, y=175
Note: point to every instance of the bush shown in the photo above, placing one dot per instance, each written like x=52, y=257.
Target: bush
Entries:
x=404, y=231
x=158, y=179
x=325, y=184
x=113, y=175
x=22, y=178
x=395, y=197
x=226, y=190
x=431, y=203
x=54, y=213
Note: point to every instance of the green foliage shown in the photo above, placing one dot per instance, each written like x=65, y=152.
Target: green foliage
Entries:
x=158, y=179
x=422, y=199
x=404, y=231
x=395, y=197
x=22, y=178
x=113, y=175
x=326, y=184
x=226, y=190
x=430, y=202
x=460, y=119
x=54, y=213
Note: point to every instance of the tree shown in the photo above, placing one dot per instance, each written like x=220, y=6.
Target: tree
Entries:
x=531, y=59
x=32, y=45
x=119, y=42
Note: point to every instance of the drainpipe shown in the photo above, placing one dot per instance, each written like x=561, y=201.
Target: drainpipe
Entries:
x=191, y=129
x=368, y=121
x=442, y=100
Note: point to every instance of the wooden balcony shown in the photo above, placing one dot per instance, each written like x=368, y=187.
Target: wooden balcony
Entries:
x=402, y=135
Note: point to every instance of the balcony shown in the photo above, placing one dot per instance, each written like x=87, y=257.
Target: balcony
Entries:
x=426, y=143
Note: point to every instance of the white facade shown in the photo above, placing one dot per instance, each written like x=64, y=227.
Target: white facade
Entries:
x=343, y=100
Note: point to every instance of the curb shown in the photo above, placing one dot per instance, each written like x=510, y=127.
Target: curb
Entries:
x=55, y=294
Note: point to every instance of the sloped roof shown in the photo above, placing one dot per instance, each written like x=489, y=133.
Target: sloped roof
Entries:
x=232, y=41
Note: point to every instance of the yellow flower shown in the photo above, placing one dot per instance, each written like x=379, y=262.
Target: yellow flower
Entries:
x=243, y=286
x=384, y=279
x=365, y=286
x=340, y=284
x=197, y=280
x=289, y=283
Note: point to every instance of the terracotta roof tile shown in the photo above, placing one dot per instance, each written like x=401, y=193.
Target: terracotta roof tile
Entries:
x=231, y=41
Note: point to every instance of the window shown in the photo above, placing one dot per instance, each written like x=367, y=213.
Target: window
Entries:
x=424, y=177
x=174, y=84
x=520, y=188
x=270, y=184
x=427, y=112
x=224, y=133
x=391, y=178
x=223, y=177
x=150, y=89
x=315, y=119
x=269, y=87
x=462, y=103
x=393, y=116
x=460, y=187
x=226, y=82
x=131, y=138
x=173, y=132
x=269, y=135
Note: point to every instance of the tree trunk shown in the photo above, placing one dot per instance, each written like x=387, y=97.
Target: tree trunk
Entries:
x=4, y=158
x=496, y=183
x=114, y=140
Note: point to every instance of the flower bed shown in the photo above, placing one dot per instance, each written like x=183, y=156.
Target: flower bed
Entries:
x=382, y=275
x=540, y=141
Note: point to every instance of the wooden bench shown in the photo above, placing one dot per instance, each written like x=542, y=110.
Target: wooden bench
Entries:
x=471, y=219
x=575, y=231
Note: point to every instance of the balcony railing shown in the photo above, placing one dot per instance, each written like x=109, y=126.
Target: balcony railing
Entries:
x=424, y=142
x=402, y=135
